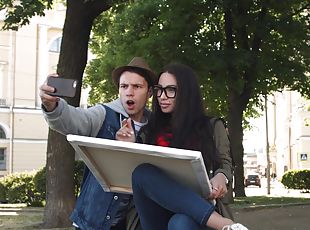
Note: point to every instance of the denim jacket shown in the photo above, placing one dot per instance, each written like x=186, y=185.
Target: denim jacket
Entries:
x=96, y=209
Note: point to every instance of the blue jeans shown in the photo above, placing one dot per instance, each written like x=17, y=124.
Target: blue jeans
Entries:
x=162, y=203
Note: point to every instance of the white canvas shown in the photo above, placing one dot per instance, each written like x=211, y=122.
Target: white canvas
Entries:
x=112, y=163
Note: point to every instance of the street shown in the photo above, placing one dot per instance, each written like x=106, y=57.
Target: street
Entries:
x=276, y=189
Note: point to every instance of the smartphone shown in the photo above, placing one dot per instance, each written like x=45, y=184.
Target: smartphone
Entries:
x=63, y=87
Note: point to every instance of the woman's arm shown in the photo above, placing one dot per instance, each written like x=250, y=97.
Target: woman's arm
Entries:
x=222, y=144
x=224, y=173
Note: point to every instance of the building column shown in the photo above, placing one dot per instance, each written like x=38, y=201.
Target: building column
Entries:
x=42, y=59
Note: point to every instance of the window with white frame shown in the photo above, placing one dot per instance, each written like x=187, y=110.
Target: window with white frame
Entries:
x=2, y=159
x=55, y=45
x=2, y=133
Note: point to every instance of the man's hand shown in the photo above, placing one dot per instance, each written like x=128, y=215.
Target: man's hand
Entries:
x=219, y=188
x=126, y=132
x=48, y=101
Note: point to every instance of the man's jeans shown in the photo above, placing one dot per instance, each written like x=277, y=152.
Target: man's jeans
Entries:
x=162, y=203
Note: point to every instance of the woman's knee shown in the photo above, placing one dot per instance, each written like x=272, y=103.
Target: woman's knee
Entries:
x=181, y=221
x=141, y=171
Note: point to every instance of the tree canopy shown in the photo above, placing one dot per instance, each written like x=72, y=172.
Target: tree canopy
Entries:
x=18, y=13
x=240, y=49
x=271, y=36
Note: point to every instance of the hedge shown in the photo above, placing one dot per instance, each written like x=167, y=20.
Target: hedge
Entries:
x=30, y=188
x=297, y=179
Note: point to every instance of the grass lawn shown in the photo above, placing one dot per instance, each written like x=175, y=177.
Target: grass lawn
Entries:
x=253, y=201
x=17, y=216
x=29, y=221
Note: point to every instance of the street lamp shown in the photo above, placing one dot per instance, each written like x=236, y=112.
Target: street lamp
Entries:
x=267, y=148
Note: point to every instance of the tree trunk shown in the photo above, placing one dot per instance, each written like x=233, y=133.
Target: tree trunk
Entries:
x=59, y=182
x=235, y=113
x=60, y=198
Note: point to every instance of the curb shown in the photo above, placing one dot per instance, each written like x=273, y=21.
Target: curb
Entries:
x=22, y=210
x=259, y=207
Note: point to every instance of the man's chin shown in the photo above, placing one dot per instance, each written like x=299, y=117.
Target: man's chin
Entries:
x=130, y=111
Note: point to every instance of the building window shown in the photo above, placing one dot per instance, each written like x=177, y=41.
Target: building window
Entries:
x=2, y=133
x=2, y=160
x=55, y=46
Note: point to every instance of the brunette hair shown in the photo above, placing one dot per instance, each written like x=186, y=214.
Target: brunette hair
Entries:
x=189, y=126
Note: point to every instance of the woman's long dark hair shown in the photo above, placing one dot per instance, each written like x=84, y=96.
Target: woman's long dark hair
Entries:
x=189, y=126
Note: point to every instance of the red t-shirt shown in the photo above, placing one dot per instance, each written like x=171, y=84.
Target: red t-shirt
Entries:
x=164, y=138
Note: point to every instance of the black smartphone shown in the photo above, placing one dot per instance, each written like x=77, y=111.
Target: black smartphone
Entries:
x=63, y=87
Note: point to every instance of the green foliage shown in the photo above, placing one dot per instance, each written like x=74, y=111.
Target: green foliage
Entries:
x=18, y=13
x=78, y=176
x=249, y=47
x=30, y=188
x=20, y=188
x=3, y=192
x=39, y=181
x=297, y=179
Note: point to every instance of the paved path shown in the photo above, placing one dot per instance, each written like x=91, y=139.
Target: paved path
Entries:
x=293, y=217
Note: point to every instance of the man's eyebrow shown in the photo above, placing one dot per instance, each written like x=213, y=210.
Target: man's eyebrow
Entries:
x=137, y=84
x=167, y=86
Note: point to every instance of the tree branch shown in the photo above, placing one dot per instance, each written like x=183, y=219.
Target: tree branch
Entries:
x=242, y=29
x=228, y=28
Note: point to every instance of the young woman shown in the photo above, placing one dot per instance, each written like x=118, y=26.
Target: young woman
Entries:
x=178, y=120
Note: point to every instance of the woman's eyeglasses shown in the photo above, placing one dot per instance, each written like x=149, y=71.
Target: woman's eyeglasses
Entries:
x=170, y=91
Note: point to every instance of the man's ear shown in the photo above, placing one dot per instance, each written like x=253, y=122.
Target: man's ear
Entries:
x=150, y=92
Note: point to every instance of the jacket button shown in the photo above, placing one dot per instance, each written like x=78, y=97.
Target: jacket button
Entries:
x=108, y=217
x=115, y=197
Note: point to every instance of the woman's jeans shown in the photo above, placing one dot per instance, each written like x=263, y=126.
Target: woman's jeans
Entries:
x=162, y=203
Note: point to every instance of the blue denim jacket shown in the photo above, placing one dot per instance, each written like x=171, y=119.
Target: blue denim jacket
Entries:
x=96, y=209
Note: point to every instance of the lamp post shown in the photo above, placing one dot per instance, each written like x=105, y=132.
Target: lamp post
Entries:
x=267, y=148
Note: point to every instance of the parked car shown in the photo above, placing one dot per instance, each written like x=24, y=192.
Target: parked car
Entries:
x=252, y=179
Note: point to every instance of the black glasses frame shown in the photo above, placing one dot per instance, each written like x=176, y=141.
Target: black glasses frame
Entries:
x=160, y=89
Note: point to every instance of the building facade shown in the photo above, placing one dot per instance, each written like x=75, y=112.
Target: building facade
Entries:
x=293, y=135
x=288, y=116
x=27, y=56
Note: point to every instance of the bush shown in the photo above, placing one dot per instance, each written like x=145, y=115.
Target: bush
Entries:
x=39, y=180
x=30, y=188
x=297, y=179
x=19, y=188
x=3, y=192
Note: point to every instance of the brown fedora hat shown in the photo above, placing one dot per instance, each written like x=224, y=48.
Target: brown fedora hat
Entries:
x=136, y=64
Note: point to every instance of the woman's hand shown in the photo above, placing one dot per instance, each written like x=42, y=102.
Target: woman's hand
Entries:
x=219, y=188
x=126, y=132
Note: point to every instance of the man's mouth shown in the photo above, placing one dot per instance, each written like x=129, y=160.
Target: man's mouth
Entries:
x=130, y=102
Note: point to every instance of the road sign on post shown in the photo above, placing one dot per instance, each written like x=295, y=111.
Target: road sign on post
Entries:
x=303, y=156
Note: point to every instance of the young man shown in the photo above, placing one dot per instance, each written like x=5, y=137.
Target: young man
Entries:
x=96, y=209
